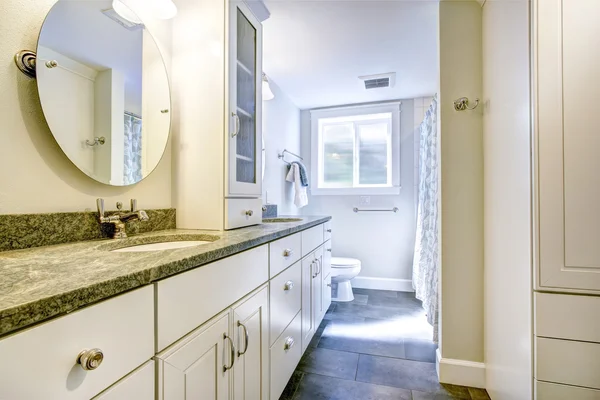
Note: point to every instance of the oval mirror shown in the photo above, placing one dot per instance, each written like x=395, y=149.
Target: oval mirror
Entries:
x=104, y=90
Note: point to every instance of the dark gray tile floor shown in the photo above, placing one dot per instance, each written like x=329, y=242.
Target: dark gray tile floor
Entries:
x=377, y=347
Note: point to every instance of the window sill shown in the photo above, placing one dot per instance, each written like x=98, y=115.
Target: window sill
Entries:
x=373, y=191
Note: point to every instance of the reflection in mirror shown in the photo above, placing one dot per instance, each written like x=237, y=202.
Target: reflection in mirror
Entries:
x=104, y=91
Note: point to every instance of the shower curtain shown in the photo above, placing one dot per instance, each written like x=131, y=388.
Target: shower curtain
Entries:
x=132, y=168
x=425, y=262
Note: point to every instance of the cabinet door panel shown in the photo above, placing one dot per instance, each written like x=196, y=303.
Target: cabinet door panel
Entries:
x=193, y=369
x=567, y=71
x=251, y=368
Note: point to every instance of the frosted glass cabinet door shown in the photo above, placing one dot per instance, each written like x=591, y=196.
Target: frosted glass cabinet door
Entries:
x=245, y=102
x=567, y=74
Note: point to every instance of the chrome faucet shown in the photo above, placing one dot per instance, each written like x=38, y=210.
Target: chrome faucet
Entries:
x=118, y=220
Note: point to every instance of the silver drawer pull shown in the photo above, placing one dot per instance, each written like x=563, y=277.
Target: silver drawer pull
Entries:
x=90, y=359
x=329, y=250
x=329, y=284
x=289, y=343
x=232, y=349
x=246, y=339
x=288, y=252
x=329, y=230
x=249, y=213
x=288, y=285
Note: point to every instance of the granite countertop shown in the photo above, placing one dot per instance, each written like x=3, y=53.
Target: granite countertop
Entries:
x=44, y=282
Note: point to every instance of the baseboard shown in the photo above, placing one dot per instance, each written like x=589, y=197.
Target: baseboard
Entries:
x=367, y=282
x=460, y=372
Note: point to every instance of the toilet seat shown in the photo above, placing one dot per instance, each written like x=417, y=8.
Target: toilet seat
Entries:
x=344, y=262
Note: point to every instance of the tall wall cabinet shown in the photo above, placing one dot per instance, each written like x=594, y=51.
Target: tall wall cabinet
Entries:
x=567, y=188
x=217, y=60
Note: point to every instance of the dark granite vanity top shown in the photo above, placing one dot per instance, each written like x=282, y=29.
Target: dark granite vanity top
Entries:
x=39, y=283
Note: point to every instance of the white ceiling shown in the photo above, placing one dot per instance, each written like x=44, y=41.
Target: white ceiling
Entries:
x=315, y=50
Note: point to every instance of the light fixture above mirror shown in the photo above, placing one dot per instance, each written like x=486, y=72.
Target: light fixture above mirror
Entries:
x=161, y=9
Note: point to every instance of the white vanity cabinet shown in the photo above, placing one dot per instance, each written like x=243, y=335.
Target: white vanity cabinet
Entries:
x=567, y=186
x=229, y=350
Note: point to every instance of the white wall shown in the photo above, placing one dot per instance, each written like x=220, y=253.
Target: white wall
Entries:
x=35, y=175
x=507, y=200
x=384, y=242
x=281, y=130
x=461, y=172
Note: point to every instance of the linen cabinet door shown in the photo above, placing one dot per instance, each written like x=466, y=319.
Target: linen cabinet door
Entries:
x=566, y=71
x=251, y=335
x=245, y=103
x=308, y=320
x=198, y=367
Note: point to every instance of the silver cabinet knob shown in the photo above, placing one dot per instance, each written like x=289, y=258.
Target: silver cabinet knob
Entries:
x=288, y=285
x=289, y=343
x=249, y=213
x=51, y=64
x=329, y=284
x=329, y=230
x=329, y=250
x=288, y=252
x=90, y=359
x=165, y=111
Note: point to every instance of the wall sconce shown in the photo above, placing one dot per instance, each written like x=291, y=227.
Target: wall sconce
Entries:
x=267, y=93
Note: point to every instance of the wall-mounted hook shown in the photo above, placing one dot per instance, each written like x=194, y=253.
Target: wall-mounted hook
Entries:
x=97, y=141
x=25, y=60
x=462, y=104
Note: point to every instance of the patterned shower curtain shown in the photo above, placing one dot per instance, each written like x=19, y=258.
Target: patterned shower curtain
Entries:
x=132, y=169
x=426, y=262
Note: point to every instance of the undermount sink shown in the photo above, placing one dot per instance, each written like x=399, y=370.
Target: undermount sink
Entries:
x=273, y=220
x=157, y=243
x=160, y=246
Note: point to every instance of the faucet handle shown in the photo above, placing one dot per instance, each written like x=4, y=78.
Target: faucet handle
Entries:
x=133, y=203
x=100, y=205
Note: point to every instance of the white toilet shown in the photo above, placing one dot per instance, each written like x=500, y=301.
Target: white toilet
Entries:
x=342, y=271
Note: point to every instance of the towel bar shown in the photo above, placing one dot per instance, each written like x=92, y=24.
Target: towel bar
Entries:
x=356, y=210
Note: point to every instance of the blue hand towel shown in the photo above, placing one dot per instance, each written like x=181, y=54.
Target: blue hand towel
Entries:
x=303, y=173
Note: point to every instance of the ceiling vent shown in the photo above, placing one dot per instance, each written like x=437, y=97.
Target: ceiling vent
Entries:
x=379, y=81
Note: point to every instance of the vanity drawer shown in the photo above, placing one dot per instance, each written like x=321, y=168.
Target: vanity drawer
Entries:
x=242, y=212
x=138, y=385
x=568, y=362
x=326, y=258
x=40, y=363
x=327, y=230
x=187, y=300
x=284, y=358
x=311, y=239
x=285, y=301
x=284, y=252
x=567, y=317
x=553, y=391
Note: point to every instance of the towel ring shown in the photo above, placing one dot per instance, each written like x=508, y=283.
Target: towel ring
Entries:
x=281, y=156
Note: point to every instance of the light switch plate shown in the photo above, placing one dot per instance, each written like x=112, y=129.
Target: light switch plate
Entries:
x=364, y=201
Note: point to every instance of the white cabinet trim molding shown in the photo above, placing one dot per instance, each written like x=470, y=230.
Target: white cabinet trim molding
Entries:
x=368, y=282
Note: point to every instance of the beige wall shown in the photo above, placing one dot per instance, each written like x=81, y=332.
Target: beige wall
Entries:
x=507, y=200
x=462, y=183
x=35, y=175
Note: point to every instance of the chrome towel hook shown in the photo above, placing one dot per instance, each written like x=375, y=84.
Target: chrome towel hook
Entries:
x=462, y=104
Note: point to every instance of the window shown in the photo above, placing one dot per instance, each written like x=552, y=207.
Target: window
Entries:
x=355, y=150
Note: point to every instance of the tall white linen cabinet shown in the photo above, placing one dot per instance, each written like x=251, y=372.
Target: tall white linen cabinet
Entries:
x=566, y=77
x=217, y=138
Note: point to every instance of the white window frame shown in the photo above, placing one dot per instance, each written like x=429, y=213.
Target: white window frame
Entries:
x=317, y=155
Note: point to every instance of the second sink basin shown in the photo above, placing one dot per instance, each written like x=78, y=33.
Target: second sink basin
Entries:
x=160, y=246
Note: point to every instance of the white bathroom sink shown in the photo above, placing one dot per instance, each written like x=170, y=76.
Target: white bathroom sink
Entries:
x=161, y=246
